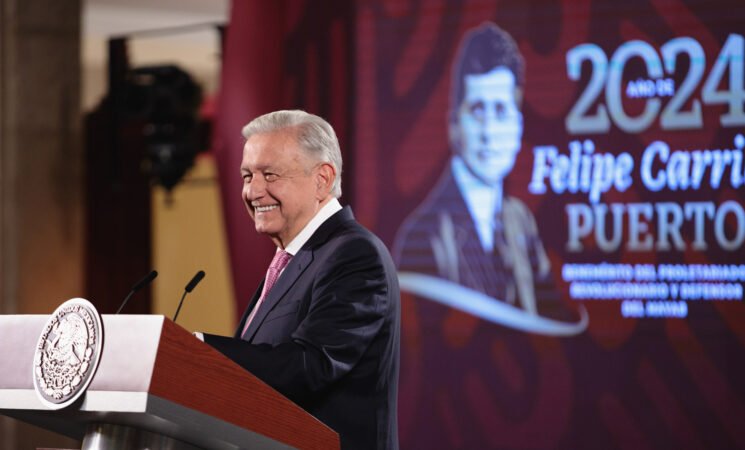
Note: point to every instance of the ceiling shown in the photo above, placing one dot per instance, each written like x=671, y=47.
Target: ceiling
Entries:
x=114, y=17
x=177, y=40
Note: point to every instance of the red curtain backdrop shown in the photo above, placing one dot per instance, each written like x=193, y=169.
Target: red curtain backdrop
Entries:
x=279, y=54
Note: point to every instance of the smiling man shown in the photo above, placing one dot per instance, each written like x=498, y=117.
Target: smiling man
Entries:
x=323, y=328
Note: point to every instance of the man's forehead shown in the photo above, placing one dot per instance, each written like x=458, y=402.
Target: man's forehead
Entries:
x=273, y=150
x=250, y=166
x=498, y=81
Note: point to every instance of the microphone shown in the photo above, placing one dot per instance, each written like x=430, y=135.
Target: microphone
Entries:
x=137, y=286
x=189, y=287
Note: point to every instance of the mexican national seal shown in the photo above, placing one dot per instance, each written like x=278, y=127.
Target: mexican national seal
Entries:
x=67, y=353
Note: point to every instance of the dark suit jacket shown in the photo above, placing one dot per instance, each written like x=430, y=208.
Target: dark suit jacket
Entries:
x=439, y=238
x=327, y=335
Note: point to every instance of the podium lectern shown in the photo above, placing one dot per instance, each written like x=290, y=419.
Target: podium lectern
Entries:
x=156, y=383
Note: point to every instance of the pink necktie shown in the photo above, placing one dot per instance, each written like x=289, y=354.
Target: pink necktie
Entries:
x=280, y=260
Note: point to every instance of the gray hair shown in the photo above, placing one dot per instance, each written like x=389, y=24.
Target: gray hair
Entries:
x=313, y=133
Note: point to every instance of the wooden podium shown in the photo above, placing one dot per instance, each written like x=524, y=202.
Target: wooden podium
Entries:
x=156, y=383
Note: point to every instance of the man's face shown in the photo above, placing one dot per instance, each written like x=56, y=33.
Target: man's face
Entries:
x=279, y=189
x=490, y=123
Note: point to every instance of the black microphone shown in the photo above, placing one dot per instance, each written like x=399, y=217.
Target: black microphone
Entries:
x=139, y=285
x=189, y=287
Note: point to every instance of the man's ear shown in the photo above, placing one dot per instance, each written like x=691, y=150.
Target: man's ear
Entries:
x=519, y=98
x=454, y=133
x=324, y=178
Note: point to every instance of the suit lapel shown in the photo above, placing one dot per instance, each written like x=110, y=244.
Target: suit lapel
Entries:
x=247, y=311
x=289, y=276
x=454, y=204
x=476, y=269
x=292, y=272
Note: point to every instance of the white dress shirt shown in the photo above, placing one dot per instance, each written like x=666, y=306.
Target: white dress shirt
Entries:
x=484, y=202
x=328, y=210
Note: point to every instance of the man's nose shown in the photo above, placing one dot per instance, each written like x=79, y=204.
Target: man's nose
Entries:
x=255, y=189
x=491, y=128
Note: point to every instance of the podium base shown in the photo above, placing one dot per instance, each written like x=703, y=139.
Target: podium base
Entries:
x=105, y=436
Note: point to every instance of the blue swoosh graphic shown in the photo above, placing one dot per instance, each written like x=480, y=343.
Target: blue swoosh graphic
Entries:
x=486, y=307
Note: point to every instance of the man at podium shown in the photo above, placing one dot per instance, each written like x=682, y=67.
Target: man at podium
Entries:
x=323, y=327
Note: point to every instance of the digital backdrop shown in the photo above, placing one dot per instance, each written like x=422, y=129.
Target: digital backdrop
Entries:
x=561, y=186
x=617, y=319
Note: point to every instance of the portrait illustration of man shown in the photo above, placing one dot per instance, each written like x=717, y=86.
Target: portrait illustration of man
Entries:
x=467, y=232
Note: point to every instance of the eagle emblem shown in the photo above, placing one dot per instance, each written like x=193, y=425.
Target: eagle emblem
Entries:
x=67, y=353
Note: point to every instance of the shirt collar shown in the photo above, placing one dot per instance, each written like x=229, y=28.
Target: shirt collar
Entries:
x=484, y=202
x=328, y=210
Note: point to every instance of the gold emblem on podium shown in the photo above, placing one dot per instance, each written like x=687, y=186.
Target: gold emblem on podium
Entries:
x=67, y=353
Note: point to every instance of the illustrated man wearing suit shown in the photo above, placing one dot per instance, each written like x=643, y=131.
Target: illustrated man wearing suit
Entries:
x=323, y=328
x=467, y=231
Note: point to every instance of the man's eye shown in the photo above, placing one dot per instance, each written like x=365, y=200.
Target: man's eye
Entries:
x=477, y=110
x=247, y=178
x=501, y=111
x=271, y=177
